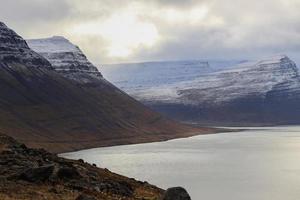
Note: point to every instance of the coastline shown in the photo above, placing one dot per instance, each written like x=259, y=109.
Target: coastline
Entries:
x=163, y=138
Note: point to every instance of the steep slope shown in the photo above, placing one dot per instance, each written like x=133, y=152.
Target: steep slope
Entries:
x=42, y=108
x=252, y=93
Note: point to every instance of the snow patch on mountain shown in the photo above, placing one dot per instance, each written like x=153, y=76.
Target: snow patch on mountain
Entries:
x=55, y=44
x=66, y=58
x=137, y=77
x=14, y=48
x=250, y=79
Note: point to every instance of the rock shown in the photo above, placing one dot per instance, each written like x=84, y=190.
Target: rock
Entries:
x=68, y=173
x=115, y=187
x=176, y=193
x=85, y=197
x=37, y=174
x=53, y=190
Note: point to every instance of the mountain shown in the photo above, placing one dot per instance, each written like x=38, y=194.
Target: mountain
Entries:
x=264, y=92
x=73, y=108
x=15, y=50
x=132, y=77
x=65, y=57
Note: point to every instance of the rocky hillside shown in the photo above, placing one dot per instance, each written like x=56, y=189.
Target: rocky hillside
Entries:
x=37, y=174
x=42, y=107
x=264, y=92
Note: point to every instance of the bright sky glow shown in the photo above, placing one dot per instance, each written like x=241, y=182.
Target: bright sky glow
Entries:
x=123, y=32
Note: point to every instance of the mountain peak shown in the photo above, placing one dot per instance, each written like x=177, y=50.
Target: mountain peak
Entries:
x=65, y=57
x=9, y=39
x=58, y=37
x=2, y=25
x=275, y=59
x=14, y=48
x=54, y=44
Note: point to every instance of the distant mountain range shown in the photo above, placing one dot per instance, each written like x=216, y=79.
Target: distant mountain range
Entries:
x=58, y=100
x=139, y=76
x=265, y=92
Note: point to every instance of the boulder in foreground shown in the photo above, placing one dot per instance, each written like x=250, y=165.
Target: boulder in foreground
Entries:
x=176, y=193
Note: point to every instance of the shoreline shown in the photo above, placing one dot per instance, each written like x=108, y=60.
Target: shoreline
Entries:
x=162, y=138
x=214, y=130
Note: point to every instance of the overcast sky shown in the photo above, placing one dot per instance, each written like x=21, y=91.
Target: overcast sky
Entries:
x=111, y=31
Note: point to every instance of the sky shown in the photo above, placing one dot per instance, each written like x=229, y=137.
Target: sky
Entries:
x=112, y=31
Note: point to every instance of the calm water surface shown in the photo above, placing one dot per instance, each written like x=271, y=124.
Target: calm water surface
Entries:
x=259, y=164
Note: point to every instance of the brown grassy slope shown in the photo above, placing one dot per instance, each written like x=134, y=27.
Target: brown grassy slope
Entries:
x=41, y=108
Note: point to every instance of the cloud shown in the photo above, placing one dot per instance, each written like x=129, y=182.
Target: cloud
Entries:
x=139, y=30
x=24, y=15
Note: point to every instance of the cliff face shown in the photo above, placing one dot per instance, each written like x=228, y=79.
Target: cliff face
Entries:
x=262, y=92
x=43, y=107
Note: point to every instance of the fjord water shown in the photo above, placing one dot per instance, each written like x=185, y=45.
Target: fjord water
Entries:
x=260, y=164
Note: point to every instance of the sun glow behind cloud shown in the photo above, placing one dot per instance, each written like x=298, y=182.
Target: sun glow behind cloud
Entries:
x=124, y=33
x=137, y=26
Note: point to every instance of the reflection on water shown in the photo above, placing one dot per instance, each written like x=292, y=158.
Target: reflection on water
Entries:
x=262, y=164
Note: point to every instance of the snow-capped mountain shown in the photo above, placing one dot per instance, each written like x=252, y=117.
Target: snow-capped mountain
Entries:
x=14, y=49
x=139, y=76
x=41, y=107
x=265, y=91
x=246, y=79
x=65, y=57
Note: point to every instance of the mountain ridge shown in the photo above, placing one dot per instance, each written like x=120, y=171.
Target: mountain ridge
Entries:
x=243, y=94
x=45, y=108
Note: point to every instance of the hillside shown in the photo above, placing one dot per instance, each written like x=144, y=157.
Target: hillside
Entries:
x=42, y=107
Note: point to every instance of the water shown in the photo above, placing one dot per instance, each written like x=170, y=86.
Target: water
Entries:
x=259, y=164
